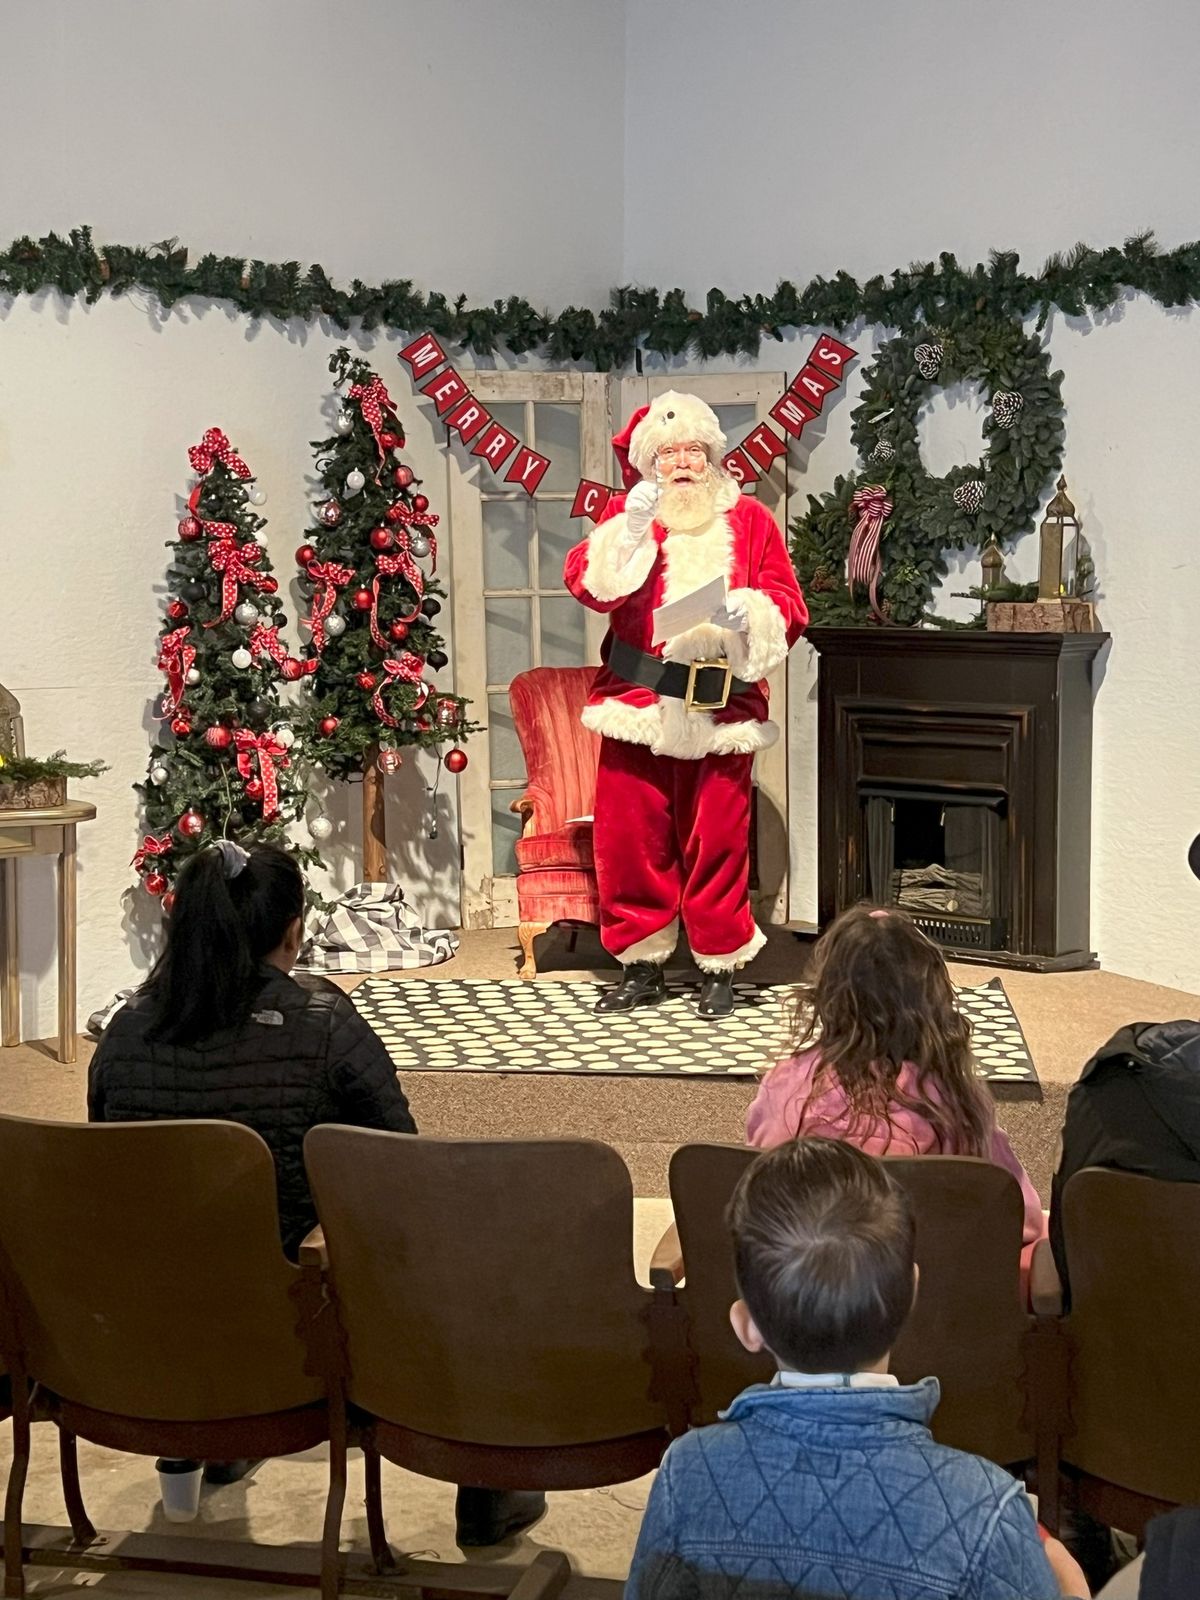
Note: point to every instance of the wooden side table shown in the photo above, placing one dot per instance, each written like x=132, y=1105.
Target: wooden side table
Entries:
x=49, y=832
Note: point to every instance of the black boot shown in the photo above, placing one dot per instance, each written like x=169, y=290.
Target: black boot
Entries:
x=641, y=985
x=716, y=994
x=489, y=1516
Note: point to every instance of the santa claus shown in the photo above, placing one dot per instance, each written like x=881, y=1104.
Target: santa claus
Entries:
x=680, y=719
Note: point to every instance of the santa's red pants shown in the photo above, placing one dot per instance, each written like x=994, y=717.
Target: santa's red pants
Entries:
x=672, y=839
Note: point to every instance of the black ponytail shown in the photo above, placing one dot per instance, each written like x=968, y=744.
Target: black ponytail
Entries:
x=221, y=928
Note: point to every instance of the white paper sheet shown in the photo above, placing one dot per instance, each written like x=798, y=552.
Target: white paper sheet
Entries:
x=689, y=610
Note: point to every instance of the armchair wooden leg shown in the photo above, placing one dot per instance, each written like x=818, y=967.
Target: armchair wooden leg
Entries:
x=14, y=1574
x=381, y=1551
x=527, y=932
x=68, y=1463
x=331, y=1534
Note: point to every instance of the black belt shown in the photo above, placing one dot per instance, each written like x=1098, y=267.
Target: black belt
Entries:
x=701, y=685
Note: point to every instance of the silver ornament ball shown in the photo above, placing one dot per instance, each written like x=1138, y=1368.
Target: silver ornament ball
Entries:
x=246, y=614
x=344, y=422
x=335, y=626
x=354, y=481
x=320, y=827
x=420, y=545
x=193, y=675
x=159, y=775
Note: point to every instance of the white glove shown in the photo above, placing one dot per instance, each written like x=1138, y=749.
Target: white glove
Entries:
x=639, y=512
x=734, y=618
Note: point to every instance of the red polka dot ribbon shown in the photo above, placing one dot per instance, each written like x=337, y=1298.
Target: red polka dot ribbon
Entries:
x=216, y=447
x=150, y=848
x=175, y=658
x=407, y=669
x=235, y=562
x=373, y=397
x=266, y=750
x=388, y=567
x=329, y=577
x=264, y=641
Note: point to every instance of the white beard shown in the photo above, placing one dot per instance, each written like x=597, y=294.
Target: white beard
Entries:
x=684, y=507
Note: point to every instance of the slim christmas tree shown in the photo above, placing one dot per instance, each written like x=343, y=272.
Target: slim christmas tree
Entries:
x=372, y=608
x=222, y=767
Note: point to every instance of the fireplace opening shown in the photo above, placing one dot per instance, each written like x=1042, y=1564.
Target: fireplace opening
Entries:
x=941, y=858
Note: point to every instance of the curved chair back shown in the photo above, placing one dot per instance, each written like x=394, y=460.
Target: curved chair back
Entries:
x=967, y=1328
x=488, y=1303
x=561, y=755
x=143, y=1271
x=1133, y=1255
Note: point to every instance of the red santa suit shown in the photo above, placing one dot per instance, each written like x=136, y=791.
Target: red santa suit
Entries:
x=672, y=820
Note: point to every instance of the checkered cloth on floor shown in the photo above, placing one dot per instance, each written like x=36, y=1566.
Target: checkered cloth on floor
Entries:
x=370, y=929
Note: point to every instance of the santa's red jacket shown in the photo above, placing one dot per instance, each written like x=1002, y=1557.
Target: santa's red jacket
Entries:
x=743, y=545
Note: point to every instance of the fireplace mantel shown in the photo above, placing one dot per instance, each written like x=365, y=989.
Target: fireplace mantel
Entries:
x=957, y=712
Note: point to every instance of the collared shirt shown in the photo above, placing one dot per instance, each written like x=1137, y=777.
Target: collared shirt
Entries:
x=786, y=1379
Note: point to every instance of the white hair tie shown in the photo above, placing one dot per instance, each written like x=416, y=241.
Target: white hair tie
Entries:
x=233, y=857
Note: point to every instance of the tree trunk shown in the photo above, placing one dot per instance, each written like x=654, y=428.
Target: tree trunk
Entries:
x=374, y=827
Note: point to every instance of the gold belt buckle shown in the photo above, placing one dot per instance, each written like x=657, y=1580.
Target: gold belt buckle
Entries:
x=689, y=699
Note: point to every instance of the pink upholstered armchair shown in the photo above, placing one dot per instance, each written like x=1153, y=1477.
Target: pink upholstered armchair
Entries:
x=556, y=873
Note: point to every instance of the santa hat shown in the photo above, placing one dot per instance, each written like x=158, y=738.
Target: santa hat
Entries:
x=672, y=418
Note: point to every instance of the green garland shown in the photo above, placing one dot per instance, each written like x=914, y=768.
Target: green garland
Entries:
x=27, y=769
x=1084, y=281
x=997, y=498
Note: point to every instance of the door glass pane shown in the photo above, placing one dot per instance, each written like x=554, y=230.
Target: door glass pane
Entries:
x=736, y=422
x=558, y=532
x=506, y=830
x=509, y=414
x=508, y=625
x=564, y=639
x=557, y=432
x=504, y=748
x=506, y=526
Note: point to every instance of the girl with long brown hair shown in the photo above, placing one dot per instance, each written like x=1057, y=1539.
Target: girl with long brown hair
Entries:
x=880, y=1056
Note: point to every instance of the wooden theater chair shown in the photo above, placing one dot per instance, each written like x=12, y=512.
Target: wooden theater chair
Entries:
x=556, y=872
x=494, y=1332
x=1129, y=1436
x=967, y=1329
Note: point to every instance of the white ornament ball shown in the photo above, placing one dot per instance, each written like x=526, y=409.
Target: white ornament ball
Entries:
x=261, y=538
x=335, y=626
x=354, y=481
x=246, y=614
x=344, y=422
x=258, y=495
x=320, y=827
x=159, y=775
x=242, y=658
x=286, y=735
x=193, y=675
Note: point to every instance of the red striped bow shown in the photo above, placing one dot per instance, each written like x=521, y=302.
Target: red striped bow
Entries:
x=872, y=505
x=216, y=447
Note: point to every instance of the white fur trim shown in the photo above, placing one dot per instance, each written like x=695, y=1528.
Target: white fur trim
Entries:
x=735, y=959
x=696, y=558
x=657, y=947
x=669, y=729
x=704, y=643
x=607, y=576
x=675, y=418
x=764, y=644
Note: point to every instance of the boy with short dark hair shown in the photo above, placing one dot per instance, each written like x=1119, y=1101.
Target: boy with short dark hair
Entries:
x=826, y=1483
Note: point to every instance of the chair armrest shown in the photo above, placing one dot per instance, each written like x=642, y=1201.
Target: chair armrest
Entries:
x=666, y=1264
x=1045, y=1289
x=312, y=1249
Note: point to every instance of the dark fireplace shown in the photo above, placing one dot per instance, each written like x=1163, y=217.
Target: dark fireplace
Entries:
x=954, y=780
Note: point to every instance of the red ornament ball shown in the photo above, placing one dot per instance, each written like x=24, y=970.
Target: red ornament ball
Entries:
x=390, y=441
x=381, y=538
x=389, y=761
x=420, y=503
x=398, y=630
x=177, y=610
x=456, y=760
x=365, y=680
x=394, y=513
x=402, y=477
x=169, y=902
x=291, y=669
x=329, y=725
x=362, y=599
x=305, y=554
x=254, y=789
x=154, y=882
x=190, y=824
x=190, y=530
x=218, y=737
x=180, y=727
x=269, y=585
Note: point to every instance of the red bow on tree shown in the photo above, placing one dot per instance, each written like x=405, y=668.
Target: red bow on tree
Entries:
x=329, y=577
x=873, y=506
x=235, y=562
x=407, y=669
x=175, y=658
x=388, y=567
x=372, y=397
x=216, y=447
x=264, y=641
x=269, y=753
x=150, y=847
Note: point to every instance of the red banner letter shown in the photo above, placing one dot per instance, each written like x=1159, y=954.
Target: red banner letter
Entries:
x=792, y=413
x=832, y=356
x=445, y=389
x=422, y=354
x=495, y=445
x=528, y=469
x=468, y=418
x=812, y=385
x=763, y=445
x=590, y=499
x=740, y=467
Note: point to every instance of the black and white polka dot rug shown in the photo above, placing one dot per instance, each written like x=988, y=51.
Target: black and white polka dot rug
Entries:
x=447, y=1025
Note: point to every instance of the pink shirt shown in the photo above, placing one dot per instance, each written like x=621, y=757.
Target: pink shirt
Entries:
x=786, y=1106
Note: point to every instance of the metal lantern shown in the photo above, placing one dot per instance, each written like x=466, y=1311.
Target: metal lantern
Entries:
x=1059, y=526
x=993, y=566
x=12, y=732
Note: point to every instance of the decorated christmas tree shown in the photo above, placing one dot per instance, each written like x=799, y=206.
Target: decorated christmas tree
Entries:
x=372, y=608
x=222, y=766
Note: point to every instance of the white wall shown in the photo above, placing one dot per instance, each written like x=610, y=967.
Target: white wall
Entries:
x=458, y=143
x=811, y=137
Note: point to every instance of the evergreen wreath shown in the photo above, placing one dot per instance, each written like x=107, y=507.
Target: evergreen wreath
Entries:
x=997, y=497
